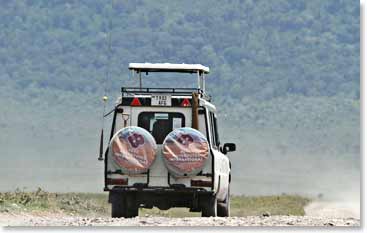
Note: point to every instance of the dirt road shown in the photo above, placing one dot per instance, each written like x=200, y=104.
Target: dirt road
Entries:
x=26, y=219
x=83, y=209
x=333, y=209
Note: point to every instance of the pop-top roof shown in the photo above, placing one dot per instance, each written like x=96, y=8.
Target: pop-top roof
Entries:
x=168, y=67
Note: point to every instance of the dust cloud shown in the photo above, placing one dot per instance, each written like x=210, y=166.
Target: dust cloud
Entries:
x=331, y=181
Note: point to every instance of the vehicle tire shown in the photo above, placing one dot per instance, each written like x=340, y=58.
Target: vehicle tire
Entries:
x=132, y=209
x=118, y=207
x=209, y=208
x=224, y=208
x=123, y=207
x=133, y=212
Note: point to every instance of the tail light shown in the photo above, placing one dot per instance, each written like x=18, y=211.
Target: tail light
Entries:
x=119, y=181
x=201, y=183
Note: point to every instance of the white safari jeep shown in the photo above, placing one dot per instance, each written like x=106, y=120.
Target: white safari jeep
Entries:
x=164, y=148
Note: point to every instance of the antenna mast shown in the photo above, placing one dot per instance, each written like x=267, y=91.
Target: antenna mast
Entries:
x=105, y=98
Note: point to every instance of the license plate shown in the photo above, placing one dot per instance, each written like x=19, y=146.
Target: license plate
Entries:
x=161, y=100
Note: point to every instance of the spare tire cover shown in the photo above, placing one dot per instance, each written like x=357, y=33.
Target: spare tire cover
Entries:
x=133, y=149
x=185, y=151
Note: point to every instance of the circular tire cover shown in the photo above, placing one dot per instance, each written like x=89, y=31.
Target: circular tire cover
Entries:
x=133, y=149
x=185, y=151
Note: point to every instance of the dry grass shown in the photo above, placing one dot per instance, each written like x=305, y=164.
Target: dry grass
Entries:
x=92, y=204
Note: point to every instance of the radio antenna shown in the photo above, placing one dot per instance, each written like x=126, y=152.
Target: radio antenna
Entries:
x=107, y=77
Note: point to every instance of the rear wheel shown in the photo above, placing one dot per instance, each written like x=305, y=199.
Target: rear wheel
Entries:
x=123, y=206
x=117, y=208
x=224, y=208
x=209, y=208
x=132, y=209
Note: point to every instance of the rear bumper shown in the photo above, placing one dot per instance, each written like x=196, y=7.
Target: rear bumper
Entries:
x=161, y=197
x=158, y=189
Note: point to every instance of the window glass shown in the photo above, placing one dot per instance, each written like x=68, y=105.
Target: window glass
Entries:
x=159, y=124
x=216, y=131
x=212, y=129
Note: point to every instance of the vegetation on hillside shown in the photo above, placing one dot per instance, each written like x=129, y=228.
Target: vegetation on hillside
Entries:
x=255, y=48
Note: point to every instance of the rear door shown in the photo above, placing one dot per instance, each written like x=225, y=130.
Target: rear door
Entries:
x=160, y=121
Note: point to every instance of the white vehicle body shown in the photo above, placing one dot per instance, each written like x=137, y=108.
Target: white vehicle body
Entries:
x=216, y=170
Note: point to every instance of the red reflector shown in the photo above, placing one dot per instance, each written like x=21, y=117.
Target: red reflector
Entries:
x=135, y=102
x=185, y=103
x=202, y=183
x=117, y=181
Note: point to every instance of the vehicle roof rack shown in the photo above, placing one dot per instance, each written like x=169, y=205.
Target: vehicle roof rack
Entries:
x=131, y=91
x=168, y=67
x=199, y=69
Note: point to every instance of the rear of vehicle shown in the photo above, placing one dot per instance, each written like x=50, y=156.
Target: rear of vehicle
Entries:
x=164, y=151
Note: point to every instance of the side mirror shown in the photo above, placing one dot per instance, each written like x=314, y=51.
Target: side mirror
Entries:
x=228, y=147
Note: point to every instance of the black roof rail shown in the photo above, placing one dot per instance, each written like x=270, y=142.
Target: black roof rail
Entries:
x=126, y=91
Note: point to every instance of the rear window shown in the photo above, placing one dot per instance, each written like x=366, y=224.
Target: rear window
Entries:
x=159, y=124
